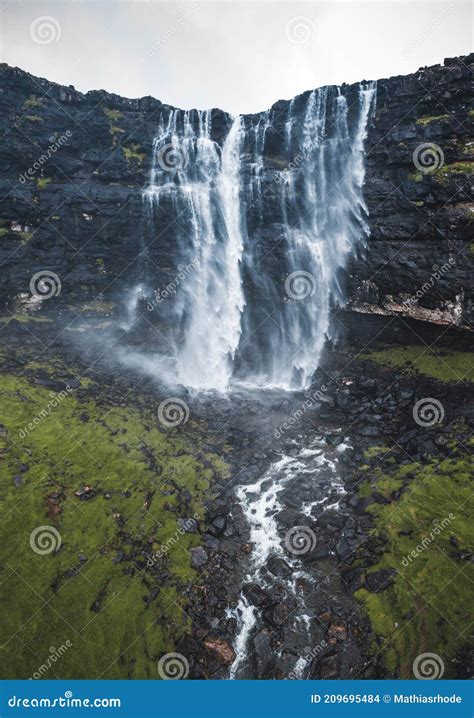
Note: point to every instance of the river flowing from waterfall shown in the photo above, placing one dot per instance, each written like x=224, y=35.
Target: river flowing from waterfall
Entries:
x=262, y=238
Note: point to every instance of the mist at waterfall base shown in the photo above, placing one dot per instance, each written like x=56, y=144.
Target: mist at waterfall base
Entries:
x=261, y=241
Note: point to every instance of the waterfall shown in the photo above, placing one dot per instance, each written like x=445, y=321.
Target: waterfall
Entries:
x=267, y=218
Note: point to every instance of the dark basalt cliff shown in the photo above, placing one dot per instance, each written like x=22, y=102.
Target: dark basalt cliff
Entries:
x=72, y=167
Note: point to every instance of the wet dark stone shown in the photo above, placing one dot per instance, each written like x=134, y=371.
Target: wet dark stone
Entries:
x=278, y=567
x=264, y=654
x=369, y=430
x=379, y=580
x=256, y=595
x=189, y=526
x=199, y=557
x=329, y=667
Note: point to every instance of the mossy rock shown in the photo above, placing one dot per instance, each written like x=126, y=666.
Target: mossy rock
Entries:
x=429, y=119
x=97, y=589
x=427, y=606
x=443, y=365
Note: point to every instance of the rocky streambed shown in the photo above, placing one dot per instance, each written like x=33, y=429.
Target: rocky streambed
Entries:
x=264, y=536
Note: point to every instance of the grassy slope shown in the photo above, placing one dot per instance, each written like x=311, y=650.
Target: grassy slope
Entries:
x=443, y=365
x=96, y=604
x=428, y=608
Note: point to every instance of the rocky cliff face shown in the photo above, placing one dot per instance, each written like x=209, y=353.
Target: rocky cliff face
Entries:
x=419, y=193
x=72, y=168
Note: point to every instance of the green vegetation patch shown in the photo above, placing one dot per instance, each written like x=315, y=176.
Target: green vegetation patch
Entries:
x=113, y=483
x=428, y=535
x=455, y=168
x=25, y=236
x=428, y=119
x=113, y=115
x=416, y=177
x=32, y=102
x=23, y=318
x=443, y=365
x=132, y=154
x=43, y=182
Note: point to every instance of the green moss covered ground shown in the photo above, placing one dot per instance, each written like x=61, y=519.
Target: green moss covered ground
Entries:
x=427, y=607
x=423, y=530
x=443, y=365
x=96, y=591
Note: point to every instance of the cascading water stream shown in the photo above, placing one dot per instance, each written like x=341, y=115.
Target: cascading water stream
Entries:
x=261, y=226
x=261, y=502
x=267, y=219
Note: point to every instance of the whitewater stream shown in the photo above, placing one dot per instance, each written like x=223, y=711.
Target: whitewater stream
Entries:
x=262, y=503
x=266, y=212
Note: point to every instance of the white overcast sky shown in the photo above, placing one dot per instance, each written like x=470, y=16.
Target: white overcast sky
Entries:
x=240, y=56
